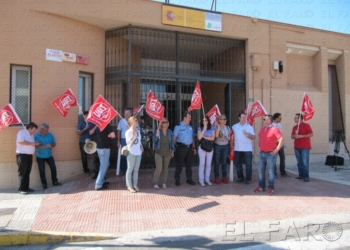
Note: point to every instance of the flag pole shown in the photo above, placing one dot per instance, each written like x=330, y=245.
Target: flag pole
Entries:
x=300, y=112
x=203, y=110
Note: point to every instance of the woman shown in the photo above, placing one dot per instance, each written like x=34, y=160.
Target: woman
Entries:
x=205, y=131
x=163, y=144
x=221, y=147
x=133, y=142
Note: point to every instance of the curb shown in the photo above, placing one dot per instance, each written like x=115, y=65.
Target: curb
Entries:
x=34, y=238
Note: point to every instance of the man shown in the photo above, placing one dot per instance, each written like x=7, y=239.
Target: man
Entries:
x=121, y=129
x=277, y=118
x=25, y=148
x=271, y=141
x=183, y=139
x=301, y=135
x=83, y=130
x=243, y=148
x=103, y=140
x=44, y=154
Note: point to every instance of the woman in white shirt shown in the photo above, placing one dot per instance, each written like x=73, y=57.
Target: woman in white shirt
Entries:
x=133, y=141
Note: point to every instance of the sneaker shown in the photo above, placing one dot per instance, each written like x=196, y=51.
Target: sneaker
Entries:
x=239, y=181
x=224, y=180
x=57, y=184
x=271, y=191
x=136, y=189
x=306, y=180
x=30, y=190
x=23, y=192
x=190, y=182
x=106, y=183
x=156, y=186
x=45, y=187
x=299, y=178
x=202, y=184
x=209, y=183
x=177, y=183
x=246, y=182
x=164, y=186
x=217, y=181
x=285, y=175
x=131, y=190
x=101, y=188
x=258, y=189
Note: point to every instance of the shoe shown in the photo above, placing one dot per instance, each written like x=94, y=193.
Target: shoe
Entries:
x=224, y=180
x=87, y=172
x=177, y=183
x=45, y=187
x=271, y=191
x=30, y=190
x=131, y=190
x=101, y=188
x=23, y=192
x=285, y=175
x=190, y=182
x=246, y=182
x=95, y=176
x=57, y=184
x=209, y=183
x=164, y=186
x=306, y=180
x=156, y=186
x=136, y=189
x=217, y=181
x=121, y=173
x=258, y=189
x=239, y=181
x=106, y=183
x=299, y=178
x=202, y=184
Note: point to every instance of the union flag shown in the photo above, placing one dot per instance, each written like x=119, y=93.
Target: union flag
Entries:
x=307, y=108
x=101, y=113
x=213, y=115
x=154, y=108
x=196, y=101
x=257, y=110
x=231, y=154
x=8, y=116
x=64, y=102
x=137, y=110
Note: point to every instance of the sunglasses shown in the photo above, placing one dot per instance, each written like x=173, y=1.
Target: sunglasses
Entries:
x=224, y=119
x=165, y=122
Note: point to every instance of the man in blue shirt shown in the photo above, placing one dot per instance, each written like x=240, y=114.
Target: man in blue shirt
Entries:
x=44, y=154
x=121, y=129
x=183, y=139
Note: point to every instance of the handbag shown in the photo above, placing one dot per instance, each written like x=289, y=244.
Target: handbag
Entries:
x=206, y=145
x=125, y=149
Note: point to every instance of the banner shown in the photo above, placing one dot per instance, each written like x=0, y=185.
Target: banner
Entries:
x=307, y=108
x=213, y=115
x=154, y=108
x=257, y=110
x=231, y=154
x=64, y=102
x=196, y=101
x=137, y=110
x=8, y=116
x=101, y=113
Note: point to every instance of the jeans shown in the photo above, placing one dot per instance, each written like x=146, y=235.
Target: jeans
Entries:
x=24, y=163
x=269, y=161
x=221, y=152
x=41, y=164
x=248, y=165
x=204, y=169
x=133, y=170
x=282, y=161
x=162, y=164
x=123, y=163
x=184, y=157
x=84, y=160
x=302, y=155
x=103, y=155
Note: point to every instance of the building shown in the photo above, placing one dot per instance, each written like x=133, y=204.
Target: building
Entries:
x=125, y=48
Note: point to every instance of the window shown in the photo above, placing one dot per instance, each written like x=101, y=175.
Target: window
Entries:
x=85, y=92
x=20, y=96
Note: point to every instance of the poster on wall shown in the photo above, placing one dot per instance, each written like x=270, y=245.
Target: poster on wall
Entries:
x=68, y=57
x=54, y=55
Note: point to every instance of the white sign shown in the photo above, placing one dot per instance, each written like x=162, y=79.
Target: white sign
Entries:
x=53, y=55
x=69, y=57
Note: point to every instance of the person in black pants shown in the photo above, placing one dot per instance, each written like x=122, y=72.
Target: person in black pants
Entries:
x=25, y=148
x=183, y=139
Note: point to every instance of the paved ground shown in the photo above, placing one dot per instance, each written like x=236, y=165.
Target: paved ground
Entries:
x=207, y=217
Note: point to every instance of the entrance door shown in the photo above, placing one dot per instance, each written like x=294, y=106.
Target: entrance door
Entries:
x=228, y=103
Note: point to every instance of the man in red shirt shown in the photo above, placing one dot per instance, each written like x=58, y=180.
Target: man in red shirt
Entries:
x=271, y=141
x=301, y=135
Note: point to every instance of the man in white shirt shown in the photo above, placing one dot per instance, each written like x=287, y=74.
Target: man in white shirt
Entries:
x=277, y=118
x=25, y=148
x=121, y=129
x=243, y=136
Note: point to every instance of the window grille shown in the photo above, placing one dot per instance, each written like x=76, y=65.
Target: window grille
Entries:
x=85, y=92
x=21, y=91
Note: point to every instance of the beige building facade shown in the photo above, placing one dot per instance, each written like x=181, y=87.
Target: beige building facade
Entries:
x=130, y=51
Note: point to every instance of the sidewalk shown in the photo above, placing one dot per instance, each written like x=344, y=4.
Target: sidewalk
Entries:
x=76, y=209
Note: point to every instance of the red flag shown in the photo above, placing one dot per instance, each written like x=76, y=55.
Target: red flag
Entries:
x=307, y=108
x=8, y=116
x=231, y=154
x=257, y=110
x=63, y=103
x=101, y=113
x=250, y=120
x=196, y=101
x=137, y=109
x=154, y=108
x=213, y=115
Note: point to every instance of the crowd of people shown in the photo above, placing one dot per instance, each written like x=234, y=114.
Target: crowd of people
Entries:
x=215, y=142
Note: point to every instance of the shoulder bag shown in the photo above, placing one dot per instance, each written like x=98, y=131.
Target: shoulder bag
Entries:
x=206, y=145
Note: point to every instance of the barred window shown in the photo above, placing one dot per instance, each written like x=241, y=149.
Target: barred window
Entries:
x=85, y=92
x=20, y=96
